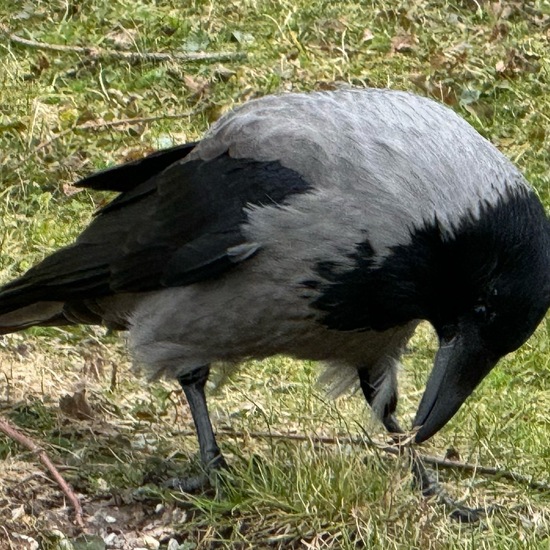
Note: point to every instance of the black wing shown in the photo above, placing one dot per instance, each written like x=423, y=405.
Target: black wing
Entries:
x=180, y=226
x=129, y=175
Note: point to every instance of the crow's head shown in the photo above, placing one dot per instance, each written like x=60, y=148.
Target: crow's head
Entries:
x=490, y=291
x=483, y=283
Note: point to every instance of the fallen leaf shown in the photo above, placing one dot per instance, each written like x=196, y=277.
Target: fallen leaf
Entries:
x=499, y=31
x=368, y=35
x=76, y=405
x=440, y=90
x=452, y=454
x=224, y=73
x=42, y=63
x=516, y=62
x=197, y=85
x=403, y=42
x=69, y=189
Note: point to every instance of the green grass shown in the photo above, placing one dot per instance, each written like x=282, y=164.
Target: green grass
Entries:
x=489, y=63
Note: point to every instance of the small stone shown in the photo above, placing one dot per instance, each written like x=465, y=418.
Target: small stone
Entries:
x=150, y=542
x=110, y=538
x=110, y=519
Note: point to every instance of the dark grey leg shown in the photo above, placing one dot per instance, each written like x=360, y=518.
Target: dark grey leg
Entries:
x=424, y=478
x=211, y=456
x=193, y=387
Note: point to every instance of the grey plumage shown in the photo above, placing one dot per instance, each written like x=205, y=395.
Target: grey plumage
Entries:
x=357, y=148
x=322, y=226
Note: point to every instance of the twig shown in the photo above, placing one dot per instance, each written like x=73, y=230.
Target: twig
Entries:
x=132, y=57
x=89, y=125
x=28, y=443
x=396, y=450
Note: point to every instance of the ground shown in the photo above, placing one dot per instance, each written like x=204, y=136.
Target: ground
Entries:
x=305, y=470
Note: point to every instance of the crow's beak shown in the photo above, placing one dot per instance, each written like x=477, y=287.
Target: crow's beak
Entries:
x=460, y=365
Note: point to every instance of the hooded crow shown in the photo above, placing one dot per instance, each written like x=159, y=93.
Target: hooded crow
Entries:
x=322, y=226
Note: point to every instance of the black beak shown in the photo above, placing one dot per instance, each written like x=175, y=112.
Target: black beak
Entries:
x=460, y=365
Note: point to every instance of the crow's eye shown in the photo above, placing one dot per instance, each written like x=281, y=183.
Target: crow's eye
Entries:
x=483, y=313
x=480, y=310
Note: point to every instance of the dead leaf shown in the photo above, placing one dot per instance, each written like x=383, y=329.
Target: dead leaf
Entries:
x=452, y=454
x=42, y=63
x=435, y=88
x=136, y=153
x=76, y=406
x=403, y=42
x=441, y=61
x=368, y=35
x=224, y=73
x=499, y=31
x=69, y=190
x=516, y=62
x=197, y=85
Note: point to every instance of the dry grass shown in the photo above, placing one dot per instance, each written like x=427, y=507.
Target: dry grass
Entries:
x=59, y=120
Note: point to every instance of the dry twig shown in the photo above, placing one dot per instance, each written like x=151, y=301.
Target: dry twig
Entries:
x=132, y=57
x=27, y=442
x=398, y=450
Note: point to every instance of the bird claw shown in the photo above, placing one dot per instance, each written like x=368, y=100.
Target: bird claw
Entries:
x=463, y=514
x=426, y=480
x=191, y=484
x=459, y=512
x=208, y=478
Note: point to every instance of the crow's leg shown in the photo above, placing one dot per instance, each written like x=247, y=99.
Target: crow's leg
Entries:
x=193, y=387
x=211, y=457
x=424, y=478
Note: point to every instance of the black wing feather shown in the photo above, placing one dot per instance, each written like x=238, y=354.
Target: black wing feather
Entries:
x=129, y=175
x=181, y=226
